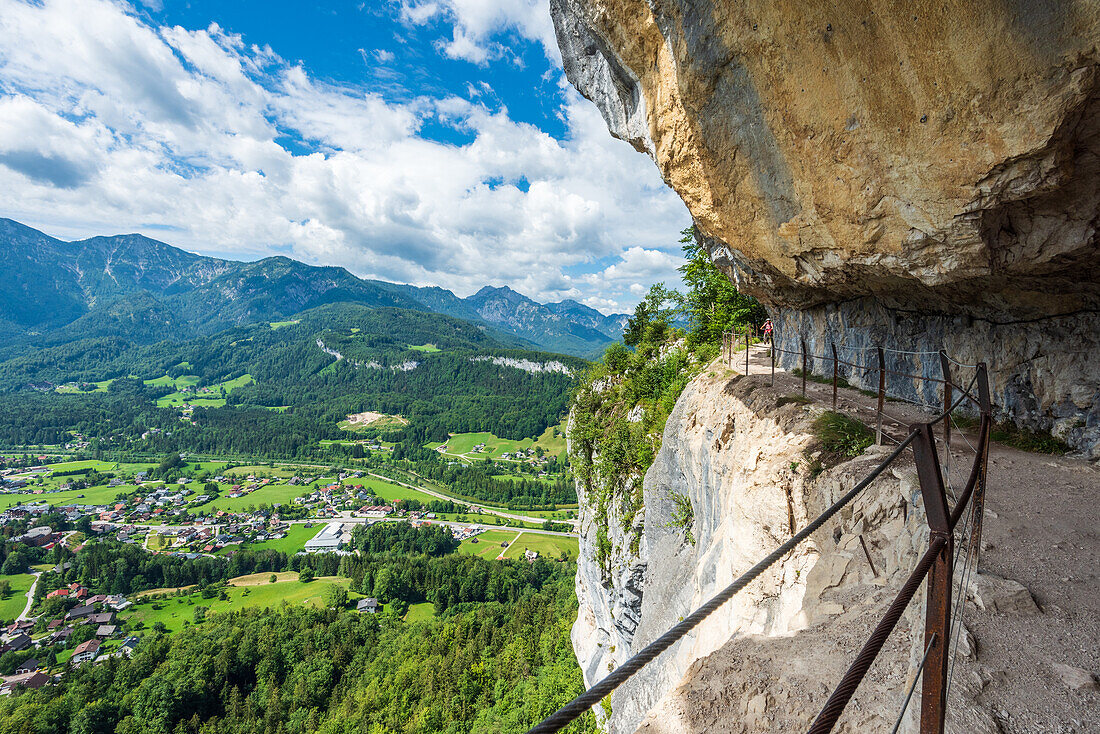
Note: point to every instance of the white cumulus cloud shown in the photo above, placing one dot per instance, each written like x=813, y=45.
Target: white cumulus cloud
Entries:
x=200, y=138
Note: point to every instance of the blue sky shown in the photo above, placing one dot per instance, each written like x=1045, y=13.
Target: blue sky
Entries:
x=423, y=141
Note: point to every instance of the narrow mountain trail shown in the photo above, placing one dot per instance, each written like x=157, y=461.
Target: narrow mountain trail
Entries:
x=1032, y=615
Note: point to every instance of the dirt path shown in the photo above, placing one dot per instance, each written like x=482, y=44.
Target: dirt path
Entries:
x=505, y=550
x=1041, y=529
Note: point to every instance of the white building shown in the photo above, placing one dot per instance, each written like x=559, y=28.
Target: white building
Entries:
x=329, y=539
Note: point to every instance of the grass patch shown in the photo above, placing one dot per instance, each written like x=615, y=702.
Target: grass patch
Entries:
x=177, y=610
x=93, y=496
x=276, y=325
x=841, y=435
x=1035, y=442
x=461, y=445
x=272, y=494
x=488, y=543
x=176, y=382
x=426, y=348
x=549, y=546
x=295, y=540
x=99, y=466
x=792, y=399
x=207, y=397
x=11, y=607
x=421, y=612
x=1009, y=434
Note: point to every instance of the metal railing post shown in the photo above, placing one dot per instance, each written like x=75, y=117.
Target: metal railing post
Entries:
x=945, y=367
x=803, y=368
x=986, y=407
x=747, y=349
x=836, y=368
x=937, y=619
x=881, y=393
x=771, y=357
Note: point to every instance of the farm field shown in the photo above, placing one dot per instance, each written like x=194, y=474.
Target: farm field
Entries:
x=100, y=386
x=176, y=382
x=13, y=605
x=272, y=494
x=421, y=612
x=295, y=540
x=488, y=543
x=94, y=496
x=276, y=325
x=100, y=466
x=392, y=492
x=175, y=611
x=549, y=546
x=259, y=470
x=461, y=445
x=208, y=399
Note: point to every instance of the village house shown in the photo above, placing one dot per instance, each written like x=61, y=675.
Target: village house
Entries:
x=370, y=604
x=81, y=612
x=102, y=618
x=32, y=679
x=28, y=666
x=17, y=643
x=85, y=651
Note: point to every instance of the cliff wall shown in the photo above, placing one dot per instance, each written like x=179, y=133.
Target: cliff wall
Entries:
x=917, y=170
x=744, y=458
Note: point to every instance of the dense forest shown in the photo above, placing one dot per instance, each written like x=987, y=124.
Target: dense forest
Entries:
x=300, y=391
x=495, y=667
x=495, y=658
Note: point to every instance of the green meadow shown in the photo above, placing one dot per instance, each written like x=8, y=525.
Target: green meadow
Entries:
x=550, y=546
x=488, y=543
x=461, y=445
x=295, y=540
x=210, y=399
x=176, y=611
x=13, y=605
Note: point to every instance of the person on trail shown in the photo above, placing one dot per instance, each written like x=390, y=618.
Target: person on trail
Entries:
x=767, y=329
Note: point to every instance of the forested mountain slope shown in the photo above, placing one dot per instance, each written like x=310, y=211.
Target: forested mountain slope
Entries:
x=143, y=290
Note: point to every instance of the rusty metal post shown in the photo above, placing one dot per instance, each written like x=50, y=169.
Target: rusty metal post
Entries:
x=937, y=618
x=747, y=349
x=771, y=353
x=836, y=368
x=881, y=393
x=803, y=368
x=986, y=407
x=945, y=367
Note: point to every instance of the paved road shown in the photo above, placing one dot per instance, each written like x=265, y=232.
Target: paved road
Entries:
x=360, y=520
x=487, y=510
x=30, y=597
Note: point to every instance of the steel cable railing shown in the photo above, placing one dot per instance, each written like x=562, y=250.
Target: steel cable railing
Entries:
x=935, y=560
x=593, y=695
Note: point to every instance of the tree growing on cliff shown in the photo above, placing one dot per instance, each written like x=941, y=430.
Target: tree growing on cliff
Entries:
x=711, y=302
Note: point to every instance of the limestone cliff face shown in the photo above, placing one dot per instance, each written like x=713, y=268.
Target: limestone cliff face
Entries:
x=927, y=160
x=740, y=454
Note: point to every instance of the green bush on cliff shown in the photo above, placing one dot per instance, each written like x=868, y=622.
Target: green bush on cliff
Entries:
x=621, y=404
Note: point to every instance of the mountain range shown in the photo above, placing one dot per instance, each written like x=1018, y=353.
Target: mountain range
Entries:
x=53, y=291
